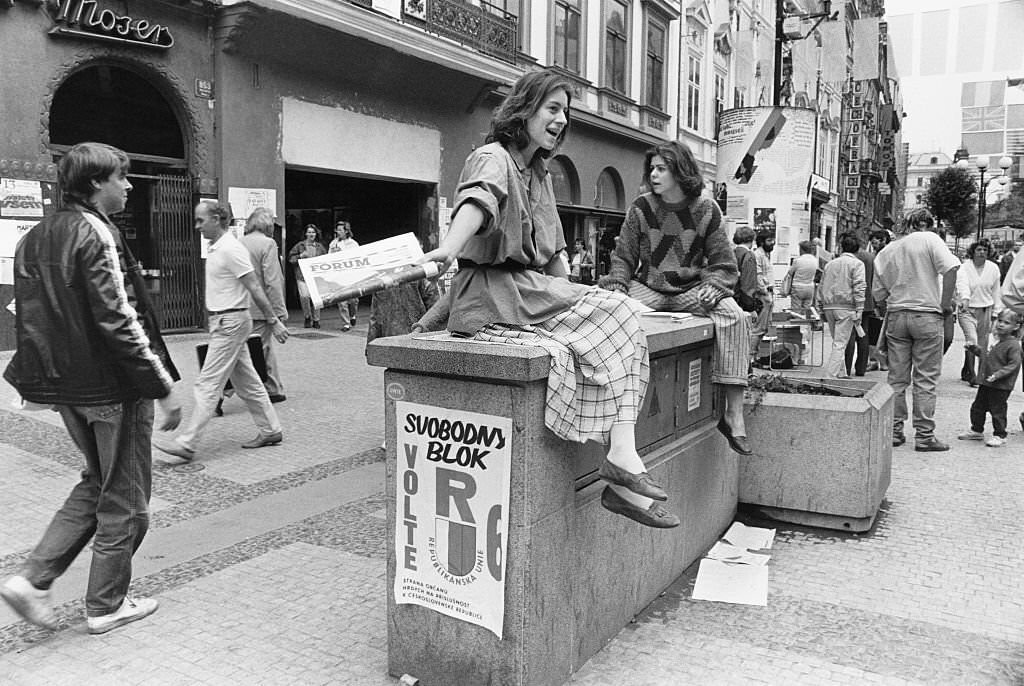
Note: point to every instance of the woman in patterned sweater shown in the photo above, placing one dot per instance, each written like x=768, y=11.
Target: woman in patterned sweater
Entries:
x=673, y=255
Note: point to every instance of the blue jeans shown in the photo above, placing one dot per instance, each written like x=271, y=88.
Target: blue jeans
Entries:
x=111, y=501
x=915, y=350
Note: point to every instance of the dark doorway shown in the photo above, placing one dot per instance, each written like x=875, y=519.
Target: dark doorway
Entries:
x=110, y=103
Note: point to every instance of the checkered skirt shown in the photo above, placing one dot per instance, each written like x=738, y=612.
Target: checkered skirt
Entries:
x=599, y=363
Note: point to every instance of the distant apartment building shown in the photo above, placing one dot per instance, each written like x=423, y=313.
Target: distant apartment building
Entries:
x=922, y=167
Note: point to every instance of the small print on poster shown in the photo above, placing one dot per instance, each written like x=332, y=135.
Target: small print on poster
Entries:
x=451, y=529
x=21, y=198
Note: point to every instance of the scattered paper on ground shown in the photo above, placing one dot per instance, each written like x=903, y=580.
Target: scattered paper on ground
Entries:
x=749, y=537
x=726, y=552
x=731, y=583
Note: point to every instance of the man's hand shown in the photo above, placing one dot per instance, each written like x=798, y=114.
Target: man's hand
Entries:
x=280, y=331
x=170, y=408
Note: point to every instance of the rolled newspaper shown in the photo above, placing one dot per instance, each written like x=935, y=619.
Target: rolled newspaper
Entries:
x=378, y=282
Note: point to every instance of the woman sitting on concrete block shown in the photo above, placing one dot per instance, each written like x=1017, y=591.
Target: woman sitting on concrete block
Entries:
x=511, y=287
x=673, y=255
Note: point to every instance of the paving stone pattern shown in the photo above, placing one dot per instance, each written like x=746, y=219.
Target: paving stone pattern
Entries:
x=933, y=594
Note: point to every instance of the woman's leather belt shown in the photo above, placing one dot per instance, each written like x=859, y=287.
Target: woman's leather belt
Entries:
x=506, y=266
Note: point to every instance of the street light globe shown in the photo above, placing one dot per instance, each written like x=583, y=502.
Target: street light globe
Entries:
x=982, y=162
x=1002, y=179
x=1005, y=162
x=962, y=163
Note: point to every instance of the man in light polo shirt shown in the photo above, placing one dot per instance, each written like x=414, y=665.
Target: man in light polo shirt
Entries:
x=915, y=278
x=230, y=283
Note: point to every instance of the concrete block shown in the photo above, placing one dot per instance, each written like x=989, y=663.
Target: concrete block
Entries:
x=576, y=574
x=819, y=460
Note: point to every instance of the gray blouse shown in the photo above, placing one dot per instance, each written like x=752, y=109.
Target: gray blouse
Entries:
x=500, y=279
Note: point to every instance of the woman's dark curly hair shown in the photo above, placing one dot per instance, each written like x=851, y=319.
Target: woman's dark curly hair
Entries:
x=681, y=164
x=528, y=94
x=983, y=243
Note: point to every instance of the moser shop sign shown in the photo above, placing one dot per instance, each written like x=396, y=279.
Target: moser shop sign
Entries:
x=89, y=19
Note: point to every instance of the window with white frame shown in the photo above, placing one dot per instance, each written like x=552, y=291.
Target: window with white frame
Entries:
x=720, y=103
x=694, y=66
x=567, y=21
x=616, y=44
x=654, y=65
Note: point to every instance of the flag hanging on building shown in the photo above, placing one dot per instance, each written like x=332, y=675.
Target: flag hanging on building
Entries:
x=982, y=118
x=865, y=49
x=982, y=94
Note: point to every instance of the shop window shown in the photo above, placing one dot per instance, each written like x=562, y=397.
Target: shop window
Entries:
x=566, y=46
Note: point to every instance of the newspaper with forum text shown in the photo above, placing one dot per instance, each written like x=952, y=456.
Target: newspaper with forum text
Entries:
x=339, y=276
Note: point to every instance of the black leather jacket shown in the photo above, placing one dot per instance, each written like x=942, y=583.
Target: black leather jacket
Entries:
x=86, y=333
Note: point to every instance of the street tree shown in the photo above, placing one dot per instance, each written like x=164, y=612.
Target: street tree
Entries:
x=951, y=198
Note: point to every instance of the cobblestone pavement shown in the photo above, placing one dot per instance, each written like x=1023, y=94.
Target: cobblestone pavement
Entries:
x=269, y=565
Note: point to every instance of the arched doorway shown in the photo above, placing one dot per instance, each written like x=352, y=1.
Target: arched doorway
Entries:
x=114, y=104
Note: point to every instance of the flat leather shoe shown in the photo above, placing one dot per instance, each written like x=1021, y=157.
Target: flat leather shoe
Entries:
x=262, y=441
x=641, y=484
x=276, y=398
x=898, y=440
x=656, y=516
x=931, y=446
x=176, y=449
x=739, y=444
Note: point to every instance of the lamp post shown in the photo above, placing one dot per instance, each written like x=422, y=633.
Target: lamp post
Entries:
x=982, y=163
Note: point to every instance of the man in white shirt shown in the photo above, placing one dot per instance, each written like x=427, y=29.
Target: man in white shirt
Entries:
x=915, y=278
x=230, y=283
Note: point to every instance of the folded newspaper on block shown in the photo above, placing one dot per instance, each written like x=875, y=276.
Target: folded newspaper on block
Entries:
x=340, y=276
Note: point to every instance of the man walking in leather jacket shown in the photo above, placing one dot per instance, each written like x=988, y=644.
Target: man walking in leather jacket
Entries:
x=89, y=346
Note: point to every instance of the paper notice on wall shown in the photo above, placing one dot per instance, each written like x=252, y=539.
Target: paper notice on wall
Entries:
x=244, y=200
x=693, y=377
x=6, y=271
x=11, y=232
x=451, y=523
x=21, y=198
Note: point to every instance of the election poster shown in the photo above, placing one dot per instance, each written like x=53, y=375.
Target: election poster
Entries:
x=451, y=529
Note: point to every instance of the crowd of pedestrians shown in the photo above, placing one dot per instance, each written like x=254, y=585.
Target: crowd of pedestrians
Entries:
x=515, y=284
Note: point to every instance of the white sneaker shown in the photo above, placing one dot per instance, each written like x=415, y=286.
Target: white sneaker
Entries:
x=33, y=604
x=130, y=611
x=995, y=442
x=971, y=435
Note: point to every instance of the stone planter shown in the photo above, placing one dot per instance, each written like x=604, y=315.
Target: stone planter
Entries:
x=819, y=460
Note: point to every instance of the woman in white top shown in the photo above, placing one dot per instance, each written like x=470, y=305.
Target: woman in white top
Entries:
x=343, y=241
x=978, y=301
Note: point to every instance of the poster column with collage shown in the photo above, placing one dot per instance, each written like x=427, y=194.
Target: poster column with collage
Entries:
x=23, y=204
x=765, y=160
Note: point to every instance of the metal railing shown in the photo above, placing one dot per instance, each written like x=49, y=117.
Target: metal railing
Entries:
x=484, y=27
